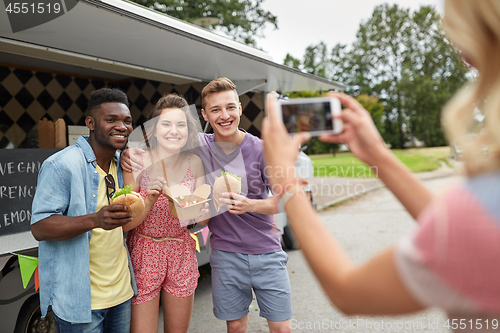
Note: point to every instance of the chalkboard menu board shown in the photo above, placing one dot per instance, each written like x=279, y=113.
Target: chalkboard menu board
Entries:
x=18, y=175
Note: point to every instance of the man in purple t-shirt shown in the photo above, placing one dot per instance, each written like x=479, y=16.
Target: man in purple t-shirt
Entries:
x=246, y=248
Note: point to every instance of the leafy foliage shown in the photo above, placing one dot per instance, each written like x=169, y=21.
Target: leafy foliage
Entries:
x=403, y=59
x=291, y=61
x=376, y=108
x=240, y=19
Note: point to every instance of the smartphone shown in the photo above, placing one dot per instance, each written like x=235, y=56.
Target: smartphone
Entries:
x=315, y=115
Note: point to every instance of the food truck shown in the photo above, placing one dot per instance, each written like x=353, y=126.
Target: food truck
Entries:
x=48, y=68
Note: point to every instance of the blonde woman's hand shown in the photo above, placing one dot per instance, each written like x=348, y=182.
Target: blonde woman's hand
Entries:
x=280, y=150
x=359, y=132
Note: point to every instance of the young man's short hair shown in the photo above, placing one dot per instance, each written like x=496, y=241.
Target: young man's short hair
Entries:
x=215, y=86
x=106, y=95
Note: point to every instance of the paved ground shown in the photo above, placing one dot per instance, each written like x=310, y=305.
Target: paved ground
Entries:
x=363, y=226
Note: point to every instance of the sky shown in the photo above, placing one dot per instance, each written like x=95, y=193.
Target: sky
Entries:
x=306, y=22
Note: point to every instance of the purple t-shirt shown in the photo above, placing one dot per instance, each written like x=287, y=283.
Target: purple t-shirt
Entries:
x=248, y=233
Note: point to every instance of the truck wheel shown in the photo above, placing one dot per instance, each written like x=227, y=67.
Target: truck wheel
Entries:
x=30, y=318
x=289, y=238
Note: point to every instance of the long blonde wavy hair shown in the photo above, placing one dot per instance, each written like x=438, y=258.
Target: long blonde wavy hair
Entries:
x=474, y=28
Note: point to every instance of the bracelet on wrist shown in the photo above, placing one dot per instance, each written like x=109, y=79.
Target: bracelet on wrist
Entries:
x=287, y=195
x=279, y=189
x=287, y=190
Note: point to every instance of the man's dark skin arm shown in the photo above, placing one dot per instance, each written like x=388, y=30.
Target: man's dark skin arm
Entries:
x=59, y=227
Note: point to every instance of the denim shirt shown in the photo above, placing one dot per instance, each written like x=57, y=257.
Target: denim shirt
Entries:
x=67, y=185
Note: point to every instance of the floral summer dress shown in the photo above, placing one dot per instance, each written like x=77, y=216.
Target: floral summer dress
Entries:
x=170, y=263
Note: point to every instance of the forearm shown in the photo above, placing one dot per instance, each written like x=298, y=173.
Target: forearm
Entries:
x=128, y=179
x=402, y=183
x=372, y=288
x=325, y=257
x=376, y=288
x=265, y=206
x=60, y=227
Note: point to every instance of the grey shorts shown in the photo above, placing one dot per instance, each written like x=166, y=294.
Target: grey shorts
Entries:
x=234, y=275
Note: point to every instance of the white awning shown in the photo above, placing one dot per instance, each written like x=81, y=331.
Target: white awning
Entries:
x=124, y=38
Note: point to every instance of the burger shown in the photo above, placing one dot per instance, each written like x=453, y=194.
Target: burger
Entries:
x=227, y=182
x=129, y=198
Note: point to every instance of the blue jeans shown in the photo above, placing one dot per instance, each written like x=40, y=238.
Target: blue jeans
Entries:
x=111, y=320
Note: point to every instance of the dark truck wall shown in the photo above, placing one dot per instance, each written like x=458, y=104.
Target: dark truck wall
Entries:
x=27, y=95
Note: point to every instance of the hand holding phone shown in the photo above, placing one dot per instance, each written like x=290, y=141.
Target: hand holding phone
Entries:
x=360, y=133
x=315, y=115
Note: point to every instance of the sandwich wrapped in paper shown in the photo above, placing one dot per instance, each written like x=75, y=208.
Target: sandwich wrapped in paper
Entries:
x=129, y=198
x=227, y=182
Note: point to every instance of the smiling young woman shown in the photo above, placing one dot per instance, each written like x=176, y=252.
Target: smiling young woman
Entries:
x=161, y=248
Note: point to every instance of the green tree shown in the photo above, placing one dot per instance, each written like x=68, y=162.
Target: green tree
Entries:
x=435, y=73
x=404, y=59
x=316, y=60
x=292, y=62
x=241, y=19
x=343, y=68
x=381, y=46
x=375, y=107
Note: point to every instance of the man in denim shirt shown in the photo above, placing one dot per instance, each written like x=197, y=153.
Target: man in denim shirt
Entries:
x=83, y=263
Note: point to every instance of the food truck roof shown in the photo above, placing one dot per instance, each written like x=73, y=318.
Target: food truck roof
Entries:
x=129, y=40
x=119, y=40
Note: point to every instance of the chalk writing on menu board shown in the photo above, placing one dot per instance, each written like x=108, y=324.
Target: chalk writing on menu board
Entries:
x=18, y=175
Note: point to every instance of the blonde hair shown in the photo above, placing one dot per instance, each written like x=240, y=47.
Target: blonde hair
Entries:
x=215, y=86
x=474, y=28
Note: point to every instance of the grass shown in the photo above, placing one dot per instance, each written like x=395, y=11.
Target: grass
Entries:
x=338, y=203
x=346, y=165
x=447, y=162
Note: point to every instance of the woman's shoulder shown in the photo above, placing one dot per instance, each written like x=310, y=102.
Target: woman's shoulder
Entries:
x=196, y=165
x=485, y=188
x=477, y=196
x=195, y=160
